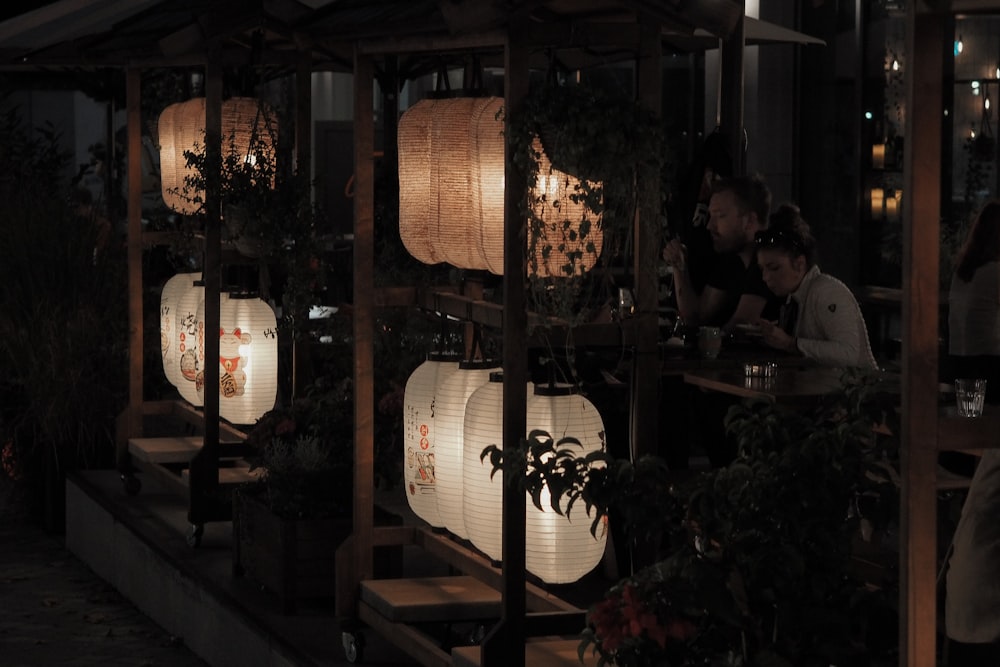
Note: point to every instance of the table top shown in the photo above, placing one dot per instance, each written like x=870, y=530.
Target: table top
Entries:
x=787, y=383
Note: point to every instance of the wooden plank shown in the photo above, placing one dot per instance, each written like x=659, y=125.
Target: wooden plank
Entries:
x=537, y=653
x=164, y=450
x=431, y=599
x=133, y=420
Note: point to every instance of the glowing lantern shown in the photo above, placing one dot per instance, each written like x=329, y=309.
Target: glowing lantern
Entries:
x=419, y=434
x=451, y=192
x=170, y=297
x=181, y=128
x=557, y=549
x=248, y=358
x=449, y=418
x=189, y=359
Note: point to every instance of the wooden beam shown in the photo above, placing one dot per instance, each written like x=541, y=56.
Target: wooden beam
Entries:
x=925, y=39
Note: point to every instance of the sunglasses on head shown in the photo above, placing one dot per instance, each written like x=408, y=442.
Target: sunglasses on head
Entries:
x=779, y=238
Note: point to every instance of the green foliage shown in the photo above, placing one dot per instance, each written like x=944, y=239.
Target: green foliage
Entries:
x=268, y=215
x=63, y=322
x=757, y=565
x=616, y=149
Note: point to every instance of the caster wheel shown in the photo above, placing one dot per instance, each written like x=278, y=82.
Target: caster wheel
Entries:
x=477, y=635
x=354, y=647
x=131, y=484
x=194, y=539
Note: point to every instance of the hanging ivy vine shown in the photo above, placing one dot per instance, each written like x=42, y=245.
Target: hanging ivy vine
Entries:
x=600, y=150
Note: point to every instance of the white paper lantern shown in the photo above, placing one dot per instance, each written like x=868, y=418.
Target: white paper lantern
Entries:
x=248, y=358
x=170, y=297
x=181, y=127
x=558, y=549
x=449, y=421
x=419, y=434
x=482, y=495
x=190, y=352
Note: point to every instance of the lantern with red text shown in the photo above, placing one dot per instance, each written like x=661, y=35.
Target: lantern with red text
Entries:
x=420, y=434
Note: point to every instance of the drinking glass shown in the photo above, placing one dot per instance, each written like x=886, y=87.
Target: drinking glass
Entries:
x=970, y=393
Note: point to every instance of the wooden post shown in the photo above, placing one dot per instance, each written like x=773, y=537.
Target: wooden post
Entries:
x=731, y=95
x=925, y=37
x=133, y=84
x=504, y=646
x=204, y=468
x=646, y=370
x=364, y=320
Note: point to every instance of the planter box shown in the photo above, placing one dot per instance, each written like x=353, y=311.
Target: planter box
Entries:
x=294, y=558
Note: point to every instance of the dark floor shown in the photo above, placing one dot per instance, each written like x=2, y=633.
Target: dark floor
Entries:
x=55, y=611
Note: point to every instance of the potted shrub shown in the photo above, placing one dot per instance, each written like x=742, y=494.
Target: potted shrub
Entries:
x=288, y=524
x=756, y=560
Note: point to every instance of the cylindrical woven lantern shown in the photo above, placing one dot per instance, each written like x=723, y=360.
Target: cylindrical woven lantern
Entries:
x=451, y=170
x=419, y=434
x=449, y=421
x=451, y=193
x=575, y=244
x=190, y=352
x=248, y=358
x=170, y=297
x=558, y=549
x=181, y=128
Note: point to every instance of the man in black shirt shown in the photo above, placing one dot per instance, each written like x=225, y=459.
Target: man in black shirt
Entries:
x=734, y=291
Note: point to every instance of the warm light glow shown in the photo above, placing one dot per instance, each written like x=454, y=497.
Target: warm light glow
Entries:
x=190, y=361
x=181, y=128
x=449, y=450
x=878, y=156
x=248, y=358
x=451, y=197
x=895, y=65
x=877, y=203
x=893, y=205
x=420, y=435
x=557, y=549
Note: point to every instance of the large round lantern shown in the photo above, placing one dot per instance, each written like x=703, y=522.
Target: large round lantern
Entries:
x=451, y=193
x=248, y=358
x=451, y=170
x=557, y=549
x=170, y=297
x=561, y=549
x=420, y=436
x=181, y=127
x=449, y=419
x=189, y=359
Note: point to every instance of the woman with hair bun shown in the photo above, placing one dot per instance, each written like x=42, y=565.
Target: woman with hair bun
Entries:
x=820, y=318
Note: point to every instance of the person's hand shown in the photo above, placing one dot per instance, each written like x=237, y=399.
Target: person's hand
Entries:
x=776, y=337
x=675, y=254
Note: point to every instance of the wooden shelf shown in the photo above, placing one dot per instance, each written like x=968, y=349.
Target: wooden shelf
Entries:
x=431, y=599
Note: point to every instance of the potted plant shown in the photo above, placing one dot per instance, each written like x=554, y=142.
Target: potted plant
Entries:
x=288, y=524
x=756, y=560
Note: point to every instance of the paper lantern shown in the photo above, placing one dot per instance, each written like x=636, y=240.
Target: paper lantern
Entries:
x=572, y=238
x=451, y=191
x=181, y=128
x=419, y=434
x=560, y=549
x=248, y=358
x=557, y=549
x=449, y=422
x=170, y=297
x=190, y=352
